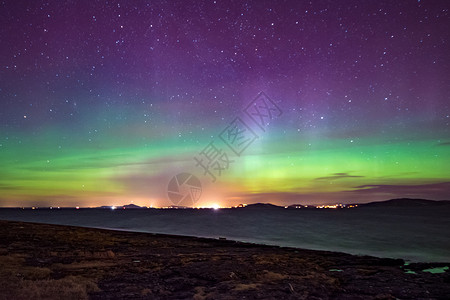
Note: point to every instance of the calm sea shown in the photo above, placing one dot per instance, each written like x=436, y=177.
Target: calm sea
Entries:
x=411, y=233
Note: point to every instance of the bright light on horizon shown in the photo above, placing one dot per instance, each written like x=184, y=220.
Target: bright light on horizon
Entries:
x=214, y=206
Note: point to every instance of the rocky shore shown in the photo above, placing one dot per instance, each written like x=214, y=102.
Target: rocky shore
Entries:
x=43, y=261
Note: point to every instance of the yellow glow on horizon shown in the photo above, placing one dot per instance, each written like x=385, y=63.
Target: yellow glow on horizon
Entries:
x=214, y=206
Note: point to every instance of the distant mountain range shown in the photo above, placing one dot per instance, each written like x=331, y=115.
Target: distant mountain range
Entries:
x=261, y=206
x=407, y=202
x=401, y=202
x=128, y=206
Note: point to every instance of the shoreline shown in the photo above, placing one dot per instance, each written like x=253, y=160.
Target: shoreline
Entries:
x=380, y=254
x=38, y=259
x=256, y=243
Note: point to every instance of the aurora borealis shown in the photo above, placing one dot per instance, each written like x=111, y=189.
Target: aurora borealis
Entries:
x=102, y=102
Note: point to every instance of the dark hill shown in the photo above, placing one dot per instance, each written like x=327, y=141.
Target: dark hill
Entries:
x=262, y=206
x=132, y=206
x=405, y=202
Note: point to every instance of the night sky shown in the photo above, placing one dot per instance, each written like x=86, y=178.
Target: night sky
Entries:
x=103, y=102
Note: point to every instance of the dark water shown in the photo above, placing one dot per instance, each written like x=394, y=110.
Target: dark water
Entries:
x=412, y=233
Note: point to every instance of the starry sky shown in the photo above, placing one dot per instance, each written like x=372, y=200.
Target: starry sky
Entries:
x=103, y=102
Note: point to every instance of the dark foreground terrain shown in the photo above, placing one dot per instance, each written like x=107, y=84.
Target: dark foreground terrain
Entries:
x=39, y=261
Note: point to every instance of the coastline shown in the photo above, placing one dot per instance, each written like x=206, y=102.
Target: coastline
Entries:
x=58, y=261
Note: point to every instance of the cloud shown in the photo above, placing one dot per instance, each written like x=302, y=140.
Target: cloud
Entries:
x=336, y=176
x=151, y=181
x=4, y=186
x=99, y=162
x=443, y=144
x=436, y=191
